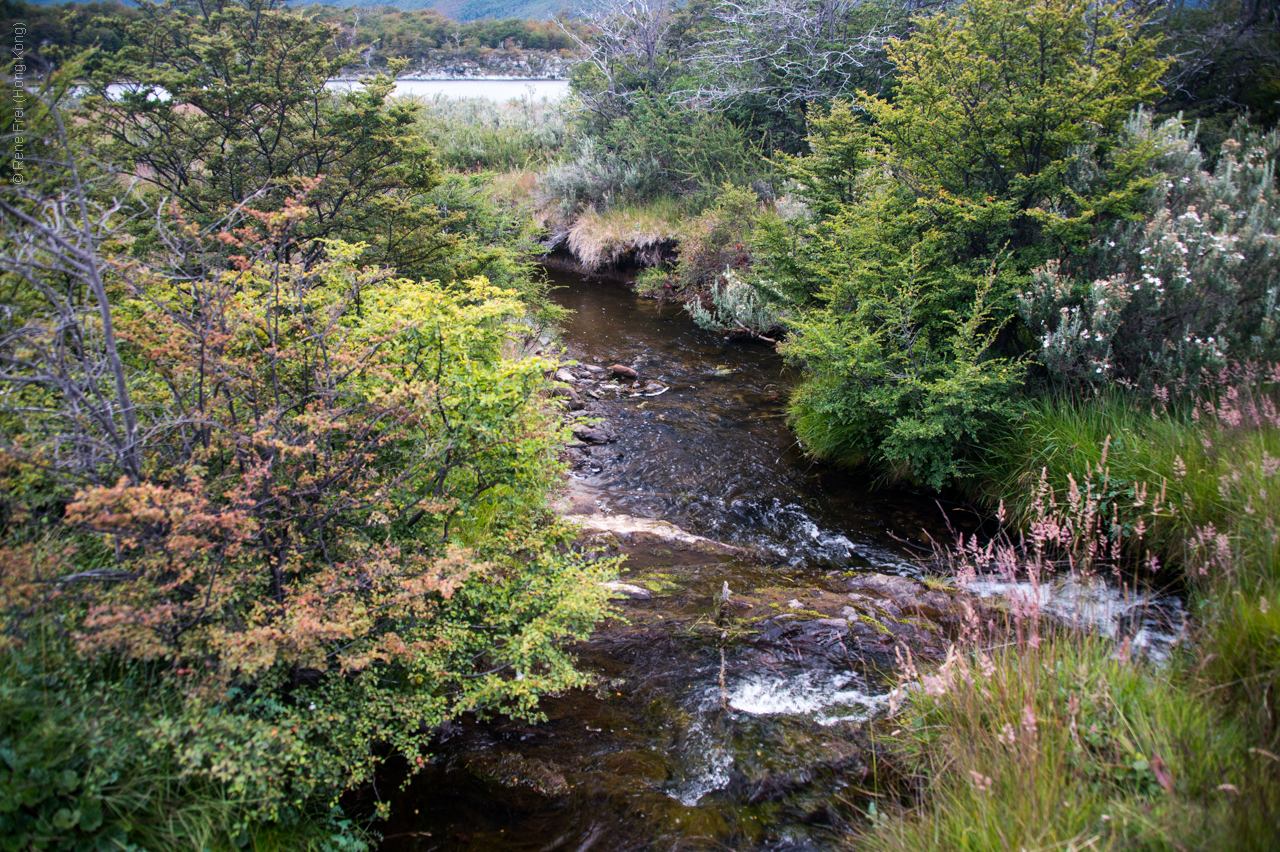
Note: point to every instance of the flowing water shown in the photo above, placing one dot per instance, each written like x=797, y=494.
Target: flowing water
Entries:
x=693, y=738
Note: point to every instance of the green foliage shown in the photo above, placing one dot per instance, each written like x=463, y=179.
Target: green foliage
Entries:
x=57, y=32
x=739, y=306
x=1228, y=62
x=290, y=575
x=230, y=108
x=885, y=385
x=273, y=513
x=696, y=150
x=830, y=177
x=79, y=773
x=979, y=154
x=717, y=240
x=1189, y=483
x=991, y=106
x=1062, y=744
x=1191, y=287
x=290, y=568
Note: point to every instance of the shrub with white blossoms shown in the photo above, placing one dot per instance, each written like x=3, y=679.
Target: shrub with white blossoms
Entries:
x=1194, y=285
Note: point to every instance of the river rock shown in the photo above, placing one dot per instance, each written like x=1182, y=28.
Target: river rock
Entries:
x=592, y=436
x=563, y=375
x=886, y=585
x=626, y=590
x=623, y=372
x=593, y=369
x=934, y=605
x=514, y=770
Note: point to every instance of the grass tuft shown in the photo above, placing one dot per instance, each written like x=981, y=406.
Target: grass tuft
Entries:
x=642, y=234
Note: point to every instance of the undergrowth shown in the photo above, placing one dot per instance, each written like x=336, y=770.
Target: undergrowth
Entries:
x=1055, y=739
x=1063, y=745
x=479, y=134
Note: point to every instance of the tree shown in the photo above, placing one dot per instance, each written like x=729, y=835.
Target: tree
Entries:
x=781, y=54
x=995, y=153
x=993, y=104
x=628, y=48
x=229, y=106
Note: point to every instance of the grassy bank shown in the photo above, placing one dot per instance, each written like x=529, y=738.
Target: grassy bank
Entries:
x=1061, y=741
x=1064, y=746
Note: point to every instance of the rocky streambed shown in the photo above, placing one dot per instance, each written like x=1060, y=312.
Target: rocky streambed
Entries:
x=763, y=609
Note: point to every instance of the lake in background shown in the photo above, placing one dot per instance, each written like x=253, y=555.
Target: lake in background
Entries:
x=500, y=91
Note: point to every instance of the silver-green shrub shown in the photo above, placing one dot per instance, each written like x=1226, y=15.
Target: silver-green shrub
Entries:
x=596, y=177
x=740, y=305
x=1193, y=285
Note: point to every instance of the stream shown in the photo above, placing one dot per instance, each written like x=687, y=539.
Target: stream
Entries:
x=715, y=725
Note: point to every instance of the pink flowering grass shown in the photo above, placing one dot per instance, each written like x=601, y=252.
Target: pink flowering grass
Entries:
x=1064, y=745
x=1036, y=736
x=1194, y=482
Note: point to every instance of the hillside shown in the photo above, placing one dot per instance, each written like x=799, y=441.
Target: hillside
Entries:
x=472, y=10
x=457, y=10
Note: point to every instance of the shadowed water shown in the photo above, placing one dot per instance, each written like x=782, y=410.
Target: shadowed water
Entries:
x=714, y=454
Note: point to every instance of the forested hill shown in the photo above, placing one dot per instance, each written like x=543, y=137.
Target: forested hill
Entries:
x=433, y=41
x=457, y=10
x=472, y=10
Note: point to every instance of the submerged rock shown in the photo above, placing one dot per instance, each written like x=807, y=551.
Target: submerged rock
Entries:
x=626, y=590
x=514, y=770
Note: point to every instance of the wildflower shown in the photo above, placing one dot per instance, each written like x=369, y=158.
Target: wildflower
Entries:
x=1029, y=720
x=982, y=783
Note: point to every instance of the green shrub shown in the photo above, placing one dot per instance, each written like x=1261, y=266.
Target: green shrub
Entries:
x=286, y=585
x=884, y=387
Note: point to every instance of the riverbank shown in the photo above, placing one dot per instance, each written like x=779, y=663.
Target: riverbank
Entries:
x=1061, y=739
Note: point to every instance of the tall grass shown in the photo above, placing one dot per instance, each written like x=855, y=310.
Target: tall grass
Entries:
x=1062, y=745
x=1057, y=740
x=643, y=234
x=1198, y=485
x=479, y=134
x=1216, y=459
